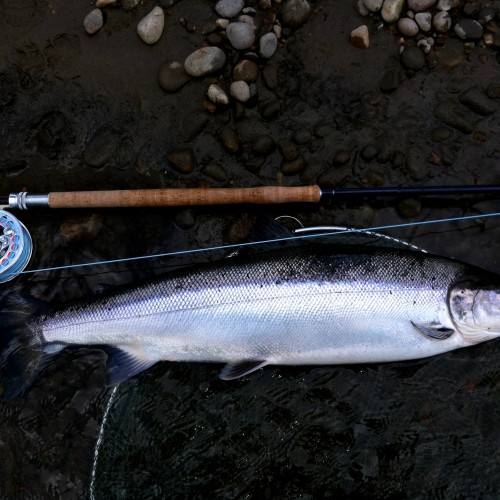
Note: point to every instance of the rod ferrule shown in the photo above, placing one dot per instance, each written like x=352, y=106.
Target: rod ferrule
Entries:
x=23, y=200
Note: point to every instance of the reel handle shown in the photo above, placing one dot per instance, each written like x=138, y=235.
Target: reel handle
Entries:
x=173, y=197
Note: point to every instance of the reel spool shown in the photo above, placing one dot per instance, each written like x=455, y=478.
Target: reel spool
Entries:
x=16, y=246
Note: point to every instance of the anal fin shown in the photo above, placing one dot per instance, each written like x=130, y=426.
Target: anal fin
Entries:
x=125, y=362
x=236, y=370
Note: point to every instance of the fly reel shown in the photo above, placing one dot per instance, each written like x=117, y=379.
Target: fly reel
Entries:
x=16, y=246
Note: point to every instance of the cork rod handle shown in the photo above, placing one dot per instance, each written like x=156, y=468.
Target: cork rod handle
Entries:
x=173, y=197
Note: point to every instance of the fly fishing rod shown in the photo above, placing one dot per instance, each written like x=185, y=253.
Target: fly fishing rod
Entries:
x=171, y=197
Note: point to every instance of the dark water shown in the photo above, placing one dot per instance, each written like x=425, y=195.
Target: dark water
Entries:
x=422, y=429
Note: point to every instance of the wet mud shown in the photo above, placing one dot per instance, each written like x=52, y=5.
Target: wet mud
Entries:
x=82, y=112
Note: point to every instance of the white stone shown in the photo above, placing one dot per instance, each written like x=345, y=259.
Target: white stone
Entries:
x=361, y=8
x=420, y=5
x=373, y=5
x=229, y=8
x=424, y=20
x=204, y=61
x=216, y=94
x=360, y=37
x=277, y=30
x=268, y=44
x=151, y=26
x=442, y=22
x=93, y=21
x=246, y=19
x=240, y=35
x=391, y=10
x=222, y=23
x=240, y=90
x=407, y=26
x=447, y=4
x=424, y=45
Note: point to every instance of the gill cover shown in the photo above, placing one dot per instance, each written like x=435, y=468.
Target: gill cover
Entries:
x=475, y=310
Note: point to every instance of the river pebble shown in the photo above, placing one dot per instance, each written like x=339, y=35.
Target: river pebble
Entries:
x=373, y=5
x=150, y=27
x=101, y=148
x=407, y=26
x=295, y=13
x=229, y=8
x=268, y=44
x=391, y=10
x=390, y=80
x=409, y=208
x=246, y=70
x=361, y=8
x=293, y=167
x=182, y=160
x=302, y=136
x=129, y=4
x=217, y=95
x=81, y=228
x=360, y=37
x=271, y=109
x=246, y=19
x=448, y=4
x=263, y=145
x=424, y=21
x=486, y=15
x=240, y=35
x=468, y=29
x=229, y=138
x=420, y=5
x=442, y=22
x=93, y=21
x=100, y=4
x=215, y=171
x=413, y=58
x=222, y=24
x=185, y=219
x=240, y=90
x=205, y=61
x=271, y=76
x=446, y=112
x=478, y=102
x=288, y=149
x=172, y=76
x=415, y=164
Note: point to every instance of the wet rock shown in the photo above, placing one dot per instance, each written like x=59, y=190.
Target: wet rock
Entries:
x=55, y=134
x=93, y=21
x=295, y=13
x=186, y=219
x=222, y=23
x=442, y=22
x=398, y=159
x=441, y=134
x=246, y=70
x=373, y=5
x=333, y=177
x=204, y=61
x=268, y=44
x=7, y=91
x=447, y=113
x=271, y=109
x=360, y=37
x=255, y=163
x=246, y=19
x=407, y=26
x=492, y=91
x=240, y=90
x=271, y=77
x=341, y=157
x=100, y=4
x=215, y=171
x=101, y=148
x=229, y=138
x=182, y=160
x=448, y=4
x=263, y=145
x=150, y=27
x=129, y=4
x=217, y=95
x=424, y=21
x=83, y=228
x=390, y=80
x=302, y=137
x=125, y=155
x=420, y=5
x=288, y=149
x=240, y=35
x=369, y=152
x=468, y=29
x=486, y=15
x=478, y=102
x=413, y=58
x=172, y=76
x=409, y=208
x=391, y=10
x=451, y=55
x=415, y=164
x=229, y=8
x=323, y=131
x=293, y=167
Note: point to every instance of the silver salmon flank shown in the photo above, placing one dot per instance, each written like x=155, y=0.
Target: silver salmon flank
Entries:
x=306, y=305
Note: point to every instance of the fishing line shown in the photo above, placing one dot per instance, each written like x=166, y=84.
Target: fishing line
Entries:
x=253, y=243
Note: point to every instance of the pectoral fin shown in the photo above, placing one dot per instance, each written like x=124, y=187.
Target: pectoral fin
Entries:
x=434, y=331
x=236, y=370
x=126, y=362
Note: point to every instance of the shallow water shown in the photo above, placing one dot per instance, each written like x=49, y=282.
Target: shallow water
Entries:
x=420, y=429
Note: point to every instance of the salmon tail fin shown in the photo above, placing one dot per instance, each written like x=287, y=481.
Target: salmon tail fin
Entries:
x=21, y=343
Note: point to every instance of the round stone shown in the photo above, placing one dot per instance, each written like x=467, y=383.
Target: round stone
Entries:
x=172, y=76
x=442, y=22
x=468, y=29
x=240, y=90
x=246, y=70
x=268, y=44
x=295, y=13
x=360, y=37
x=216, y=94
x=448, y=4
x=93, y=21
x=151, y=26
x=373, y=5
x=204, y=61
x=240, y=35
x=407, y=26
x=263, y=145
x=229, y=8
x=424, y=20
x=413, y=58
x=420, y=5
x=182, y=160
x=391, y=10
